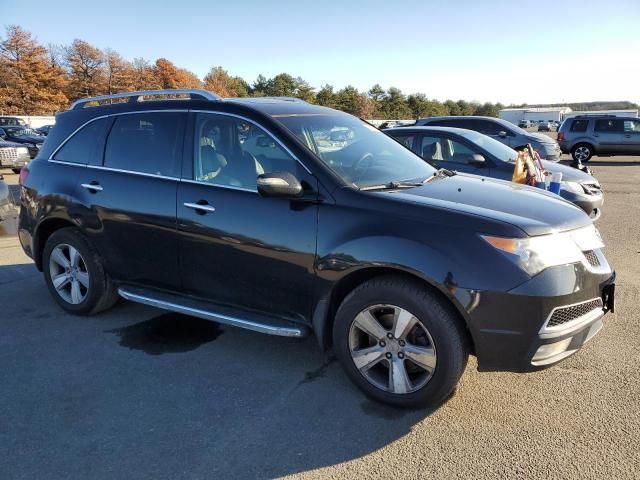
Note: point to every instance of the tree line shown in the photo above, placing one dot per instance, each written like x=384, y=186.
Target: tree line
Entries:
x=41, y=80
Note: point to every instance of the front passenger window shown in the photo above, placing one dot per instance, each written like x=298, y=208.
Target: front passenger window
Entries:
x=232, y=152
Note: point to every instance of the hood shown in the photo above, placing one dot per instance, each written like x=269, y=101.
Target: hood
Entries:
x=28, y=139
x=534, y=211
x=541, y=138
x=569, y=174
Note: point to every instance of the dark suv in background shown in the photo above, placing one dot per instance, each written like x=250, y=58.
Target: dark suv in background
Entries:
x=500, y=130
x=288, y=218
x=602, y=135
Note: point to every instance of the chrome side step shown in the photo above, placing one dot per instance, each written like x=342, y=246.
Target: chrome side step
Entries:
x=215, y=313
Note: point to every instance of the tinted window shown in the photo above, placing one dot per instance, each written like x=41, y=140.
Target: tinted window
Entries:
x=490, y=128
x=233, y=152
x=579, y=125
x=82, y=147
x=444, y=149
x=609, y=126
x=146, y=142
x=405, y=139
x=431, y=148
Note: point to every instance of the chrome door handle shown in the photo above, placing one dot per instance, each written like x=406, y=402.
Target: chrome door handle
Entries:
x=91, y=187
x=202, y=208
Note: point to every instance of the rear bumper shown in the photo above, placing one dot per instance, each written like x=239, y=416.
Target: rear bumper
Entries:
x=511, y=330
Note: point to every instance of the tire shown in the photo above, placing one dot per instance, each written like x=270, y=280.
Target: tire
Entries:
x=435, y=337
x=582, y=152
x=16, y=170
x=84, y=287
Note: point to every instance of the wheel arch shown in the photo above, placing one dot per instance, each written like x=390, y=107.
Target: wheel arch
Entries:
x=45, y=229
x=326, y=308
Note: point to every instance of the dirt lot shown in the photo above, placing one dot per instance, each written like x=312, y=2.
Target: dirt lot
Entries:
x=137, y=393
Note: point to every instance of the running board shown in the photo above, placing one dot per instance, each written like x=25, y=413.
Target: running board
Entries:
x=208, y=311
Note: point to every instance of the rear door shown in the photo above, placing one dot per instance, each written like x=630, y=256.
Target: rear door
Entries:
x=631, y=136
x=609, y=133
x=129, y=198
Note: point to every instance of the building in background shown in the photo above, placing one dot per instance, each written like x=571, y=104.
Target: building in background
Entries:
x=617, y=113
x=534, y=114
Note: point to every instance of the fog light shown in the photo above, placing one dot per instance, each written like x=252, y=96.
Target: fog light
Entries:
x=545, y=352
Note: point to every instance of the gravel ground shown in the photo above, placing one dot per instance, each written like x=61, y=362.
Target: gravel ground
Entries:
x=138, y=393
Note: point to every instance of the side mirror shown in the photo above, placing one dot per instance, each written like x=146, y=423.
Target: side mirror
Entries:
x=478, y=160
x=279, y=185
x=502, y=134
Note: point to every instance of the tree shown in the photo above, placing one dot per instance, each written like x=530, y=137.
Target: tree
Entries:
x=422, y=107
x=486, y=110
x=85, y=69
x=326, y=97
x=120, y=74
x=220, y=82
x=347, y=100
x=144, y=75
x=394, y=105
x=452, y=107
x=170, y=76
x=377, y=95
x=29, y=83
x=259, y=87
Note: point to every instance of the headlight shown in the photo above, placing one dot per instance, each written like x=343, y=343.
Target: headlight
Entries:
x=22, y=150
x=574, y=187
x=534, y=254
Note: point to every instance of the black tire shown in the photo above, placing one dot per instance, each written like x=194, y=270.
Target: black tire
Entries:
x=582, y=152
x=441, y=321
x=16, y=170
x=101, y=294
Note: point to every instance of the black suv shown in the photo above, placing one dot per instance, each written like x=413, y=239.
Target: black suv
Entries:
x=288, y=218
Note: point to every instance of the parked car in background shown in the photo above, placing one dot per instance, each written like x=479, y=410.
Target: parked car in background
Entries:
x=25, y=136
x=6, y=205
x=500, y=130
x=12, y=121
x=524, y=123
x=13, y=155
x=544, y=127
x=601, y=135
x=44, y=130
x=403, y=268
x=472, y=152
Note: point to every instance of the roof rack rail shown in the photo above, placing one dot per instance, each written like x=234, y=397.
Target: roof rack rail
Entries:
x=284, y=99
x=139, y=96
x=589, y=115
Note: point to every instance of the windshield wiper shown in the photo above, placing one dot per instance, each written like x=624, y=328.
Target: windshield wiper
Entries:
x=440, y=173
x=395, y=185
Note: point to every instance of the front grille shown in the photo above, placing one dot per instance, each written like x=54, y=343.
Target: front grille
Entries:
x=566, y=314
x=8, y=155
x=592, y=188
x=592, y=258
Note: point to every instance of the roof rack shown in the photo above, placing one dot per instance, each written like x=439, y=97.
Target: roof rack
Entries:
x=589, y=115
x=284, y=99
x=139, y=96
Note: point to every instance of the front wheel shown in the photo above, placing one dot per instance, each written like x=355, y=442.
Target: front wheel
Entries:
x=400, y=343
x=582, y=152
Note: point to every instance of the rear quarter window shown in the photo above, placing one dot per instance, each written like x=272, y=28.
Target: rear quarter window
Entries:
x=579, y=125
x=83, y=145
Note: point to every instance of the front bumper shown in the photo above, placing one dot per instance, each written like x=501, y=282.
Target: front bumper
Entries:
x=590, y=203
x=511, y=332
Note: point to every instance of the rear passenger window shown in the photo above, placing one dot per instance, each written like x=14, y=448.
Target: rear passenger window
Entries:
x=83, y=145
x=579, y=125
x=609, y=126
x=406, y=140
x=146, y=143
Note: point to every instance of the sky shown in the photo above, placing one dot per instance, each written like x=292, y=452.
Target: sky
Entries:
x=532, y=51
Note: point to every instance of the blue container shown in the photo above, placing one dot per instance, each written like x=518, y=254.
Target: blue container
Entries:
x=555, y=187
x=541, y=185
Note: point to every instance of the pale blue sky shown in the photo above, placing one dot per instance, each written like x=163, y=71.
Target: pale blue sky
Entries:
x=510, y=51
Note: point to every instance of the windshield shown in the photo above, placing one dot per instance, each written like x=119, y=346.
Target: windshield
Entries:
x=19, y=131
x=358, y=152
x=494, y=147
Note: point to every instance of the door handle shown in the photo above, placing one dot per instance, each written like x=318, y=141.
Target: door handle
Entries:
x=92, y=187
x=201, y=208
x=627, y=136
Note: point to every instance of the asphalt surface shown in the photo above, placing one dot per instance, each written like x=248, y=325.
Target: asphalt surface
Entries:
x=137, y=393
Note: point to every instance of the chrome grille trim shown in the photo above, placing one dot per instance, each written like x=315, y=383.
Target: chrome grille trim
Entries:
x=567, y=317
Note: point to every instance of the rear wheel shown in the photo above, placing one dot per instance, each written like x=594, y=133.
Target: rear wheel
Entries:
x=582, y=152
x=75, y=275
x=400, y=343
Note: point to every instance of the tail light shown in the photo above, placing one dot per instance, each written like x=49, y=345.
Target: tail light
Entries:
x=24, y=173
x=561, y=136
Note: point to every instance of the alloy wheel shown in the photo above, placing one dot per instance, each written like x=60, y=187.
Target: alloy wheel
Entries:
x=69, y=274
x=392, y=349
x=582, y=153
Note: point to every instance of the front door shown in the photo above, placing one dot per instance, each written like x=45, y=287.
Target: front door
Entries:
x=238, y=248
x=444, y=152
